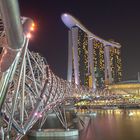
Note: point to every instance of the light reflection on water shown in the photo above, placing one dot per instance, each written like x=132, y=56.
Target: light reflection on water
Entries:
x=108, y=125
x=62, y=138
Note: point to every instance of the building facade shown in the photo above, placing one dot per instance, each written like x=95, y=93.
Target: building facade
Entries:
x=92, y=61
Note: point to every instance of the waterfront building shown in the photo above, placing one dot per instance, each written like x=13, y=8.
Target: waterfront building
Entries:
x=92, y=61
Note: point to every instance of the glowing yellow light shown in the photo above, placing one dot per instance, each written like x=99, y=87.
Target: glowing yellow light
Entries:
x=32, y=28
x=28, y=35
x=33, y=25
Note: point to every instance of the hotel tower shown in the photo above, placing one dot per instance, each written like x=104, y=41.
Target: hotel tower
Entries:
x=92, y=61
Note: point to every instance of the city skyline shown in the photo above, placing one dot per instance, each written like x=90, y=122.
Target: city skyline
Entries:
x=108, y=20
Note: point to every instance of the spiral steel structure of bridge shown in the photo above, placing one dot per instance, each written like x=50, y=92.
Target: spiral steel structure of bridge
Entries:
x=28, y=87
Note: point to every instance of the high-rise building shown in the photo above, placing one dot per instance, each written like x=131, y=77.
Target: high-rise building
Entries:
x=92, y=61
x=99, y=63
x=83, y=57
x=115, y=64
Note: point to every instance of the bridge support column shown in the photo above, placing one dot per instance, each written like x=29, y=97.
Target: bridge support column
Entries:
x=11, y=18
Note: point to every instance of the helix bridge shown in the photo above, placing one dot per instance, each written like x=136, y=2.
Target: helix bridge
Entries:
x=28, y=87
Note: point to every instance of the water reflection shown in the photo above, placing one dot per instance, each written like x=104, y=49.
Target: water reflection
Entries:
x=113, y=125
x=58, y=138
x=107, y=125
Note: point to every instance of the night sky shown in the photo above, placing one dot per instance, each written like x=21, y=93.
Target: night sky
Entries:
x=109, y=19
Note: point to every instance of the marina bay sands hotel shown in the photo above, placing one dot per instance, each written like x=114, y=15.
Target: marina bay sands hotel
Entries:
x=92, y=61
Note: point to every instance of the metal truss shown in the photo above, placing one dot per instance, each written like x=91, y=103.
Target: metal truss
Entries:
x=29, y=89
